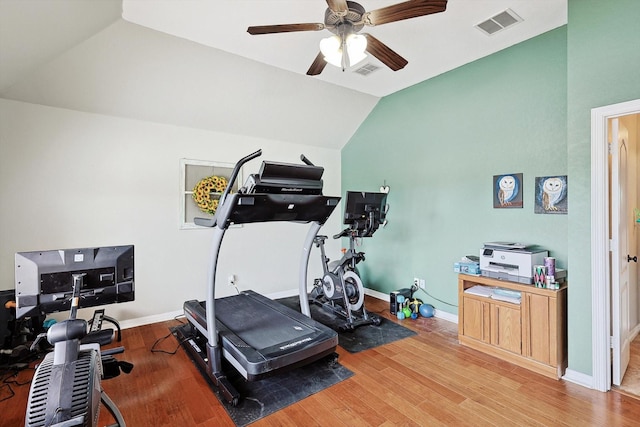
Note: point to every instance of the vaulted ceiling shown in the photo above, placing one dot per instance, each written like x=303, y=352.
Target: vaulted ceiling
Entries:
x=192, y=63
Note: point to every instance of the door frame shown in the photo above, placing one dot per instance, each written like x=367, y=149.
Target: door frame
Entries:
x=600, y=246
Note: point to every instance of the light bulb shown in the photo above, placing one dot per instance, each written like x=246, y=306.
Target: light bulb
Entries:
x=356, y=47
x=330, y=48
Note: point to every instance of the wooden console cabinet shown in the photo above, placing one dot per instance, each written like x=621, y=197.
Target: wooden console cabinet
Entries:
x=532, y=334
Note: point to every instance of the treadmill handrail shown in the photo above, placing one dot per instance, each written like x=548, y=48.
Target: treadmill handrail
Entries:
x=236, y=171
x=210, y=222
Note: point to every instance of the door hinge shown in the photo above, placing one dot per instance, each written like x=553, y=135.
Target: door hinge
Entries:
x=610, y=342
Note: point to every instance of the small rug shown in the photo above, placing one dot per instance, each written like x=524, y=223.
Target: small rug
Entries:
x=363, y=338
x=268, y=395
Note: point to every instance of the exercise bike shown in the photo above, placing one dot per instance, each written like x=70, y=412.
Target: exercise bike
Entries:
x=66, y=389
x=340, y=289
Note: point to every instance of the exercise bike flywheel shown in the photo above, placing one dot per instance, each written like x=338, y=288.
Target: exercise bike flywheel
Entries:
x=354, y=290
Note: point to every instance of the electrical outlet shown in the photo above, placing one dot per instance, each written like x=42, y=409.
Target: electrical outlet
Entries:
x=421, y=284
x=416, y=283
x=232, y=280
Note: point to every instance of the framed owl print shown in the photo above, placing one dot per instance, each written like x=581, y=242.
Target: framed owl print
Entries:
x=551, y=195
x=507, y=191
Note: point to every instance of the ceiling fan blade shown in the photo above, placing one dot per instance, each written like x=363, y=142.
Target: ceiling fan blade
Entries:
x=338, y=6
x=317, y=66
x=284, y=28
x=405, y=10
x=384, y=53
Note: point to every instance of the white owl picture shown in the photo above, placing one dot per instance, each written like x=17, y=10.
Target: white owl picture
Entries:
x=507, y=191
x=551, y=195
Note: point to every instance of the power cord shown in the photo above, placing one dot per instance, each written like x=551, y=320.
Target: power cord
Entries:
x=6, y=383
x=10, y=392
x=159, y=340
x=437, y=299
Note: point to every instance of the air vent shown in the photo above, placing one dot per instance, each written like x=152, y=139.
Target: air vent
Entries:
x=366, y=69
x=499, y=22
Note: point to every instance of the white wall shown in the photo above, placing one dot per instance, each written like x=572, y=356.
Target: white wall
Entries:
x=71, y=179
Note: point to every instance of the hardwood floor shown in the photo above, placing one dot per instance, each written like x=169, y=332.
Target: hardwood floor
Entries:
x=425, y=380
x=631, y=380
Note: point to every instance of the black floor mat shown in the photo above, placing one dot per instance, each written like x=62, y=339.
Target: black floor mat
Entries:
x=266, y=396
x=363, y=338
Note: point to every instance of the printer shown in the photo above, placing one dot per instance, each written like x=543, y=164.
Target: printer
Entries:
x=510, y=261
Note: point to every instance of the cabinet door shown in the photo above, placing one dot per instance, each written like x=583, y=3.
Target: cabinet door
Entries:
x=538, y=323
x=476, y=319
x=506, y=329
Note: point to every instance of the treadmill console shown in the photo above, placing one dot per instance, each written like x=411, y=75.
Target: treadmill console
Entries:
x=285, y=178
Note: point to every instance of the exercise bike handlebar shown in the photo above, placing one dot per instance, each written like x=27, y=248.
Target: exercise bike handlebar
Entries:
x=344, y=233
x=371, y=225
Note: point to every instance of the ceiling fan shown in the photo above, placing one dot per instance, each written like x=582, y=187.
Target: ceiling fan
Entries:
x=345, y=19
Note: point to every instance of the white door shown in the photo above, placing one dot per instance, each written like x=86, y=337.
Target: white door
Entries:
x=619, y=253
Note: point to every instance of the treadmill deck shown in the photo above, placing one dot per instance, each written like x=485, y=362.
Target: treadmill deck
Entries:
x=259, y=336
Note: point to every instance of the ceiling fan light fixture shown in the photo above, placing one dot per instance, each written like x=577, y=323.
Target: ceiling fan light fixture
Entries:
x=345, y=18
x=356, y=47
x=331, y=49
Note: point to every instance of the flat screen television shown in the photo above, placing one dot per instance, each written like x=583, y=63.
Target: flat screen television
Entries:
x=365, y=211
x=44, y=279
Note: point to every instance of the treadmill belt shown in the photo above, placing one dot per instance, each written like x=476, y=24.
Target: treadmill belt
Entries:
x=259, y=336
x=258, y=324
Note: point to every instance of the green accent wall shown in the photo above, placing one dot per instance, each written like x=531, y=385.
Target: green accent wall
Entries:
x=603, y=69
x=526, y=109
x=438, y=146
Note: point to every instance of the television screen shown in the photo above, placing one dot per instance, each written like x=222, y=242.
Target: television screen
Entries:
x=44, y=279
x=365, y=211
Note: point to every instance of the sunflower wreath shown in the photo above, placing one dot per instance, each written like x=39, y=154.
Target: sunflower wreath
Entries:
x=202, y=193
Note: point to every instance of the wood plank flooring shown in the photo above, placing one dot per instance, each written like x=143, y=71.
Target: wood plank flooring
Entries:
x=631, y=380
x=425, y=380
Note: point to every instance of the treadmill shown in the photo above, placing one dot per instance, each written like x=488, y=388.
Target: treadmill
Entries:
x=256, y=335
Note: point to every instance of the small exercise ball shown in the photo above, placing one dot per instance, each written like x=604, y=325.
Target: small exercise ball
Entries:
x=414, y=315
x=426, y=310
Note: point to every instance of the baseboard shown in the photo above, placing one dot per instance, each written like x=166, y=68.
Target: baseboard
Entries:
x=436, y=313
x=147, y=320
x=376, y=294
x=284, y=294
x=578, y=378
x=163, y=317
x=634, y=332
x=453, y=318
